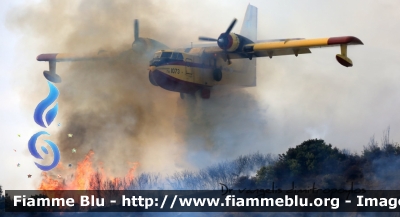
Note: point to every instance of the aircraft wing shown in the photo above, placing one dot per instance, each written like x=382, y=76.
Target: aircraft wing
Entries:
x=52, y=58
x=279, y=39
x=217, y=52
x=62, y=57
x=295, y=47
x=293, y=44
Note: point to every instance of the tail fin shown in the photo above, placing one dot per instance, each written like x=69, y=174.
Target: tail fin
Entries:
x=249, y=26
x=247, y=68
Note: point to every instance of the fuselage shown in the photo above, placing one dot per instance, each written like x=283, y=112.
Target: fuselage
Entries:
x=181, y=72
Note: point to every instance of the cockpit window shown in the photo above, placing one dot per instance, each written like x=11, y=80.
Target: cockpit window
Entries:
x=174, y=55
x=165, y=58
x=179, y=56
x=166, y=54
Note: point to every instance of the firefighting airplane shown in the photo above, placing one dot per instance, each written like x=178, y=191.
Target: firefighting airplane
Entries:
x=231, y=61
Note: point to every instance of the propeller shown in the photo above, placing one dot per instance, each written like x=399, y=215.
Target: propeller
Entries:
x=223, y=40
x=144, y=46
x=202, y=38
x=136, y=29
x=231, y=26
x=137, y=45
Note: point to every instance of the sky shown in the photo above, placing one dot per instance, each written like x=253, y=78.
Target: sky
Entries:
x=296, y=98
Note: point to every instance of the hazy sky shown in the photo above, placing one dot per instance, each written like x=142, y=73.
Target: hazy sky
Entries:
x=311, y=96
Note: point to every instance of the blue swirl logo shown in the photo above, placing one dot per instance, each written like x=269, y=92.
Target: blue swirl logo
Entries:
x=44, y=104
x=38, y=117
x=35, y=153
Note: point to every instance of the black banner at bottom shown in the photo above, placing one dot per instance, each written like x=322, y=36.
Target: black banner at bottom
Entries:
x=258, y=200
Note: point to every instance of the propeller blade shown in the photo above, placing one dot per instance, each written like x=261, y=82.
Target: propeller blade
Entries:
x=136, y=29
x=231, y=26
x=201, y=38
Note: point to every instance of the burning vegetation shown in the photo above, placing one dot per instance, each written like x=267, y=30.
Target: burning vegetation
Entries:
x=312, y=162
x=86, y=176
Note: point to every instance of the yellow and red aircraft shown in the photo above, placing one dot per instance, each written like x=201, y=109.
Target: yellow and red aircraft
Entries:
x=231, y=61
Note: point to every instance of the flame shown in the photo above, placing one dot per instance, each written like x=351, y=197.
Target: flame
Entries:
x=83, y=173
x=86, y=177
x=48, y=183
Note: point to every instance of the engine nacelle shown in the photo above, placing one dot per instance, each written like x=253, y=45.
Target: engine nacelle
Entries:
x=232, y=42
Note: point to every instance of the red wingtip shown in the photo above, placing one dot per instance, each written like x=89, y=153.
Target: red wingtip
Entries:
x=351, y=40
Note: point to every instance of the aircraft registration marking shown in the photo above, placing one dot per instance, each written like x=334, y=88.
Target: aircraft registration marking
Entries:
x=170, y=70
x=174, y=71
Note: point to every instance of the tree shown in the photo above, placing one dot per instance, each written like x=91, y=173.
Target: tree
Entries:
x=311, y=161
x=2, y=201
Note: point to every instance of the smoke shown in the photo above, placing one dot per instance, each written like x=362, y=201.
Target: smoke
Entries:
x=223, y=126
x=110, y=107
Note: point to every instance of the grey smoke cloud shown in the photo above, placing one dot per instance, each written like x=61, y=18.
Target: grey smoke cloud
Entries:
x=110, y=107
x=296, y=98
